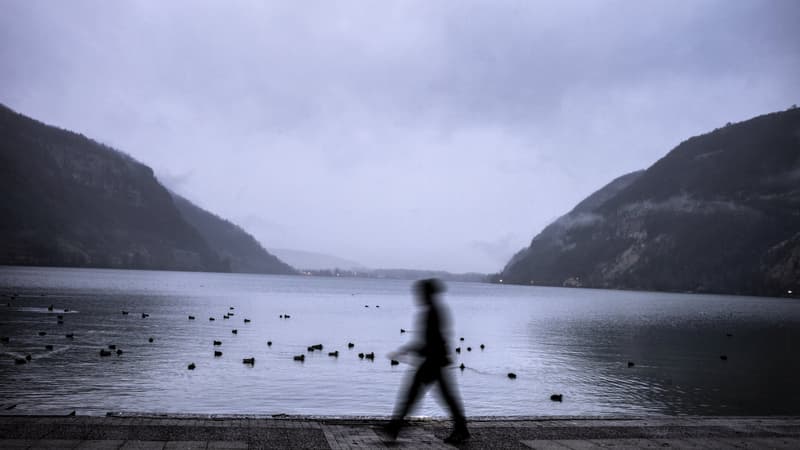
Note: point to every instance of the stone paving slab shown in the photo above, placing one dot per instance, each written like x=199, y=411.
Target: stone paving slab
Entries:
x=575, y=433
x=185, y=445
x=100, y=445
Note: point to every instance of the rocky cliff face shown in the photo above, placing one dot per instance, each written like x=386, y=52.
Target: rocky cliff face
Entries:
x=719, y=213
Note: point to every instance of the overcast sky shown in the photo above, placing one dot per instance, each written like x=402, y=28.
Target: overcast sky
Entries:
x=427, y=134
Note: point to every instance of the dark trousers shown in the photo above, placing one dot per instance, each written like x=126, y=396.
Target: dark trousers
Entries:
x=428, y=373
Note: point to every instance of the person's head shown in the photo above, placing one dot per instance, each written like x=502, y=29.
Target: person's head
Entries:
x=428, y=290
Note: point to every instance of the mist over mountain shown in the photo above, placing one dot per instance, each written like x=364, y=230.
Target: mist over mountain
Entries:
x=236, y=246
x=71, y=201
x=719, y=213
x=305, y=260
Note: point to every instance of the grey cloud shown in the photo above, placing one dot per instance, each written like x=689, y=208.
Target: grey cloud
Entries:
x=397, y=133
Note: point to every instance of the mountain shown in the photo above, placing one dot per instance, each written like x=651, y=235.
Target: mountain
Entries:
x=304, y=260
x=719, y=213
x=240, y=249
x=551, y=240
x=71, y=201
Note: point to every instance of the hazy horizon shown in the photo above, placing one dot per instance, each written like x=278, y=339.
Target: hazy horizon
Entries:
x=399, y=135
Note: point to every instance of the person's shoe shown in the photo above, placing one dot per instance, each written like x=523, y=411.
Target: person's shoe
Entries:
x=457, y=436
x=392, y=429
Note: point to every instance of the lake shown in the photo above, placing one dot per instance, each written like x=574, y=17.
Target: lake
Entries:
x=574, y=342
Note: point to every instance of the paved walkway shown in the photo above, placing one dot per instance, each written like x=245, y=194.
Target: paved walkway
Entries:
x=196, y=432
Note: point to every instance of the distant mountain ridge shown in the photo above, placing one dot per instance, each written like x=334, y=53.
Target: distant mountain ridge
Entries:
x=719, y=213
x=71, y=201
x=234, y=245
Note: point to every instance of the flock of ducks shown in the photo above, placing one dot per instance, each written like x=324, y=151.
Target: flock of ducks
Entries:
x=311, y=348
x=112, y=348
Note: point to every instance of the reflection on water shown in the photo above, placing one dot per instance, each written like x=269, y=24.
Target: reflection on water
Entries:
x=570, y=341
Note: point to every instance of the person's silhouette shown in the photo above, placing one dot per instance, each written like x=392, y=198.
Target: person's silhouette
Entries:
x=432, y=349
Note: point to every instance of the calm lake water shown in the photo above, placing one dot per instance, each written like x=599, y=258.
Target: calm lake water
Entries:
x=575, y=342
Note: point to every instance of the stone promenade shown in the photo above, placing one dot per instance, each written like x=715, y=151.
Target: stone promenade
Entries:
x=120, y=431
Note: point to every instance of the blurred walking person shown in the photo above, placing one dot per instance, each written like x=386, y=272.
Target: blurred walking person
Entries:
x=434, y=358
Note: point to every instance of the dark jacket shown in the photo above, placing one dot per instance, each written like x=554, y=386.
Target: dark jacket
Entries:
x=434, y=346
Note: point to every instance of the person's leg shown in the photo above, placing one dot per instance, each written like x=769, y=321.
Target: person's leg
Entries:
x=406, y=400
x=450, y=396
x=453, y=401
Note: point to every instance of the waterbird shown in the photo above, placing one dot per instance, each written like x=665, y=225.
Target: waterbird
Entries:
x=557, y=397
x=631, y=364
x=350, y=345
x=60, y=322
x=370, y=355
x=217, y=353
x=112, y=347
x=66, y=309
x=395, y=362
x=462, y=366
x=150, y=340
x=191, y=366
x=300, y=358
x=458, y=349
x=59, y=316
x=191, y=317
x=317, y=346
x=104, y=352
x=50, y=308
x=310, y=349
x=119, y=352
x=729, y=334
x=210, y=319
x=48, y=347
x=366, y=306
x=461, y=339
x=217, y=342
x=246, y=320
x=4, y=339
x=512, y=375
x=402, y=330
x=225, y=317
x=482, y=346
x=231, y=314
x=286, y=316
x=28, y=357
x=69, y=335
x=250, y=361
x=469, y=349
x=20, y=360
x=145, y=315
x=124, y=313
x=231, y=308
x=361, y=355
x=235, y=331
x=42, y=333
x=335, y=354
x=281, y=316
x=269, y=343
x=723, y=357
